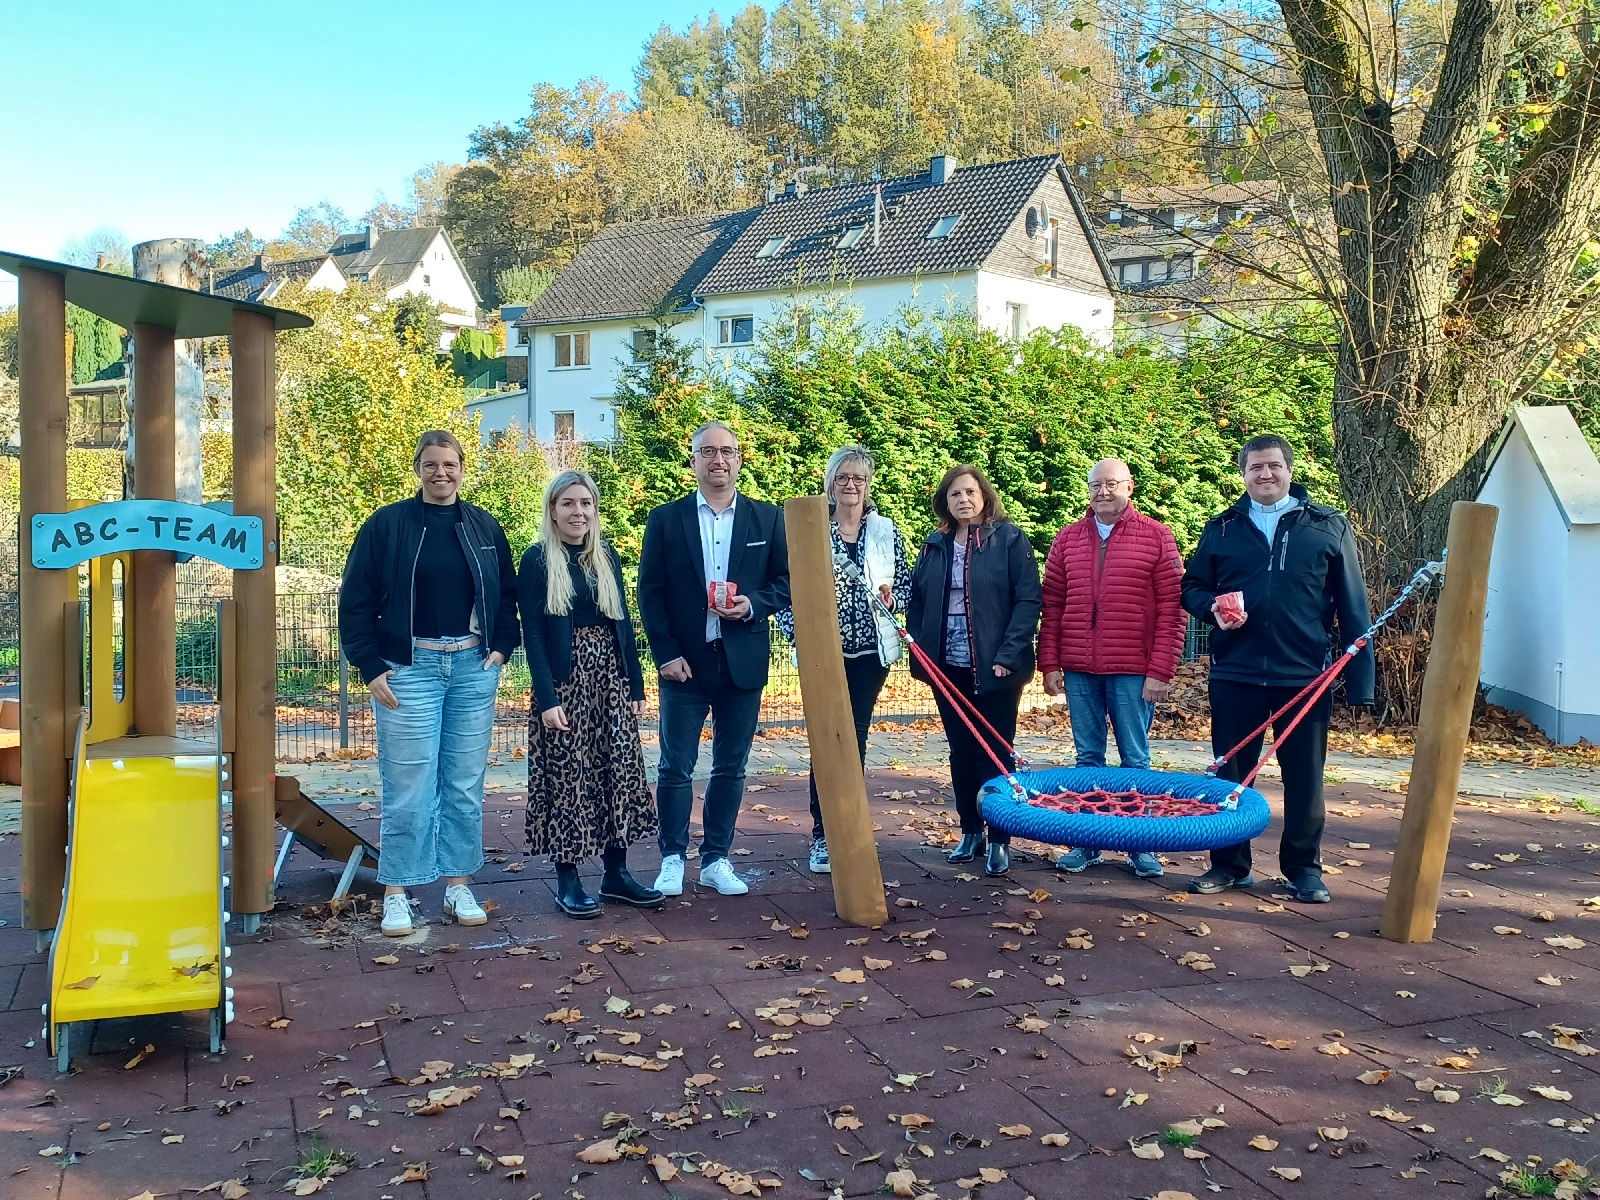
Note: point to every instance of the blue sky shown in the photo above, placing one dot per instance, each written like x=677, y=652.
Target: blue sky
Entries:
x=177, y=118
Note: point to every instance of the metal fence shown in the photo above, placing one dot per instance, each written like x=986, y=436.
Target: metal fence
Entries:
x=324, y=708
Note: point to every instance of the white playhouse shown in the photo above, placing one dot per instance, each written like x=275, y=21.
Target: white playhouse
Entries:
x=1541, y=639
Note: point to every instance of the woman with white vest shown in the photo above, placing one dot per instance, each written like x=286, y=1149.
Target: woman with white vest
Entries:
x=868, y=554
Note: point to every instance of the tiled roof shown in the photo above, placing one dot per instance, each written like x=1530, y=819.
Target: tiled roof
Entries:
x=987, y=198
x=633, y=270
x=1254, y=193
x=393, y=257
x=253, y=282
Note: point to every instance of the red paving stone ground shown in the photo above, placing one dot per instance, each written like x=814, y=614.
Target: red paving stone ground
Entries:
x=1035, y=1040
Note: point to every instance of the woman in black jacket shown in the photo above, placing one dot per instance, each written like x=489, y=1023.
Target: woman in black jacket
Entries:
x=587, y=792
x=428, y=614
x=974, y=608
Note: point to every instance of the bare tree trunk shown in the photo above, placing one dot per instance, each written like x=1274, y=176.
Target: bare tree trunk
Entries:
x=179, y=262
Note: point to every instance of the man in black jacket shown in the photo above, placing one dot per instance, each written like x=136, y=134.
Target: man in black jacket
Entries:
x=711, y=660
x=1297, y=566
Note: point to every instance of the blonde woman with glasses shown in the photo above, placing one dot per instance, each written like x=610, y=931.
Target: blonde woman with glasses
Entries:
x=869, y=557
x=587, y=793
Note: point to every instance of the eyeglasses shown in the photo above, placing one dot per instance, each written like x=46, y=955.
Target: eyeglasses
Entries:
x=859, y=481
x=1110, y=485
x=712, y=453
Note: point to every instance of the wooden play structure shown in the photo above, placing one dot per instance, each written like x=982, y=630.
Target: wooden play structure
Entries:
x=122, y=820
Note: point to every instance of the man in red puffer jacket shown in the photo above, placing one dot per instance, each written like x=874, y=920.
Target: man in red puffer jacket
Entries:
x=1112, y=631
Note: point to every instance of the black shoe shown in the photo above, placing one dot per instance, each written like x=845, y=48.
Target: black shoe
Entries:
x=970, y=846
x=1310, y=890
x=618, y=885
x=1219, y=880
x=570, y=896
x=999, y=861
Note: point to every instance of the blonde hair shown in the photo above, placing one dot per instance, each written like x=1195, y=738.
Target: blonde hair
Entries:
x=841, y=458
x=594, y=557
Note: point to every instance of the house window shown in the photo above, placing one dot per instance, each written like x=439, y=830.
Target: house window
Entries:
x=427, y=280
x=572, y=350
x=736, y=331
x=644, y=344
x=943, y=228
x=1181, y=267
x=1016, y=321
x=522, y=336
x=1143, y=271
x=850, y=237
x=566, y=428
x=772, y=247
x=802, y=325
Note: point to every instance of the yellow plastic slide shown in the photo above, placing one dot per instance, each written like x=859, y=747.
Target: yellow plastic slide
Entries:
x=142, y=924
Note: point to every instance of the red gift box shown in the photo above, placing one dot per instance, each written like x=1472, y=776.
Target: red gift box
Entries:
x=1230, y=606
x=720, y=595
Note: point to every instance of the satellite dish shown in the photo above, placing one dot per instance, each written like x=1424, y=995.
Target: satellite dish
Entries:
x=1044, y=216
x=1033, y=222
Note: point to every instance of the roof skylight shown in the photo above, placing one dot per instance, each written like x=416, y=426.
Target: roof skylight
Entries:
x=772, y=247
x=850, y=237
x=944, y=227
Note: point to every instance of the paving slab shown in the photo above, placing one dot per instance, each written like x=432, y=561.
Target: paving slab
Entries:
x=900, y=1040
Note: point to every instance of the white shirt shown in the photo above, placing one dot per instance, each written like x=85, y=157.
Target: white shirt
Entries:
x=716, y=546
x=1105, y=530
x=1265, y=516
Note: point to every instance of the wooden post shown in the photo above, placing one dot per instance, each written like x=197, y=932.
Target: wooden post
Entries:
x=255, y=675
x=42, y=376
x=155, y=572
x=1448, y=690
x=858, y=895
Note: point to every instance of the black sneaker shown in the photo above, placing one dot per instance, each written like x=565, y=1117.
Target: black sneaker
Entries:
x=1219, y=880
x=1310, y=890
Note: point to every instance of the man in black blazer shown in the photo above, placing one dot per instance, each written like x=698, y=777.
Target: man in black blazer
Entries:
x=711, y=660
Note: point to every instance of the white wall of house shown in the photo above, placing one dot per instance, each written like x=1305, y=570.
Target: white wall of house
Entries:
x=585, y=391
x=497, y=411
x=517, y=340
x=1041, y=305
x=1541, y=646
x=327, y=276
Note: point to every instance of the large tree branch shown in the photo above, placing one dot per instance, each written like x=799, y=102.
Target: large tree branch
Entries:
x=1523, y=277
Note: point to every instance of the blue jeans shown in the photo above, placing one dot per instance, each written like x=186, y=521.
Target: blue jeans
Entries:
x=1091, y=699
x=734, y=712
x=432, y=753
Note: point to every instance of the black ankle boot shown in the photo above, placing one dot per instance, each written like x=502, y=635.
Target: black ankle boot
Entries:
x=999, y=861
x=970, y=847
x=570, y=896
x=618, y=885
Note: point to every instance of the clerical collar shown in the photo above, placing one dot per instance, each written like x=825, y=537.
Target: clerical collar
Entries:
x=1283, y=505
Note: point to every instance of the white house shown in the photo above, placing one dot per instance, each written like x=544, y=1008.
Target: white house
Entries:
x=421, y=261
x=1541, y=641
x=1008, y=241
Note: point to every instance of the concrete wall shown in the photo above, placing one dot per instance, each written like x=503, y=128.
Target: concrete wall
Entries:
x=1541, y=643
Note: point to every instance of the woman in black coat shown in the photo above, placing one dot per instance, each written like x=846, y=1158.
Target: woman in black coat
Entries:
x=974, y=608
x=587, y=793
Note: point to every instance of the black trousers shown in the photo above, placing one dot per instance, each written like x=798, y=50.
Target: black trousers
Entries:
x=1236, y=709
x=970, y=765
x=734, y=713
x=864, y=677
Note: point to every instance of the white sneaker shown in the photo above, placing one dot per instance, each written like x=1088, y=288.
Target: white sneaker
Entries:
x=397, y=916
x=819, y=857
x=460, y=904
x=720, y=875
x=669, y=882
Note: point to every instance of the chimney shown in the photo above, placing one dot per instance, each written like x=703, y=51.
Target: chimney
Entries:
x=261, y=262
x=790, y=190
x=372, y=237
x=942, y=169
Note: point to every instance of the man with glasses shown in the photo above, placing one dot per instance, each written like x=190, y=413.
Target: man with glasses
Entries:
x=714, y=567
x=1112, y=631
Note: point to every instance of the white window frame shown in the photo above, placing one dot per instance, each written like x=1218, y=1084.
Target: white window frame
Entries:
x=850, y=238
x=572, y=425
x=942, y=229
x=634, y=353
x=1016, y=320
x=726, y=330
x=572, y=337
x=773, y=247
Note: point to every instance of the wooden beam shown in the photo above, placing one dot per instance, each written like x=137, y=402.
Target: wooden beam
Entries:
x=255, y=674
x=155, y=572
x=1448, y=690
x=42, y=378
x=858, y=895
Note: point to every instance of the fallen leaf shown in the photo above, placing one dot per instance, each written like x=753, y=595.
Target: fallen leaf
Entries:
x=875, y=964
x=962, y=984
x=1508, y=1100
x=1016, y=1131
x=1456, y=1062
x=1373, y=1078
x=84, y=984
x=665, y=1171
x=308, y=1187
x=902, y=1182
x=1389, y=1114
x=1333, y=1133
x=1290, y=1173
x=850, y=975
x=1493, y=1155
x=1550, y=1093
x=139, y=1057
x=412, y=1172
x=1054, y=1139
x=1262, y=1142
x=600, y=1152
x=1333, y=1048
x=1550, y=980
x=1566, y=942
x=915, y=1120
x=387, y=960
x=1149, y=1150
x=1507, y=930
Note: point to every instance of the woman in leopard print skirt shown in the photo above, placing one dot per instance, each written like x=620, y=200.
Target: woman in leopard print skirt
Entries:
x=587, y=792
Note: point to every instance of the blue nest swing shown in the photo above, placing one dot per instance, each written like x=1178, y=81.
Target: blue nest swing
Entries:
x=1109, y=808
